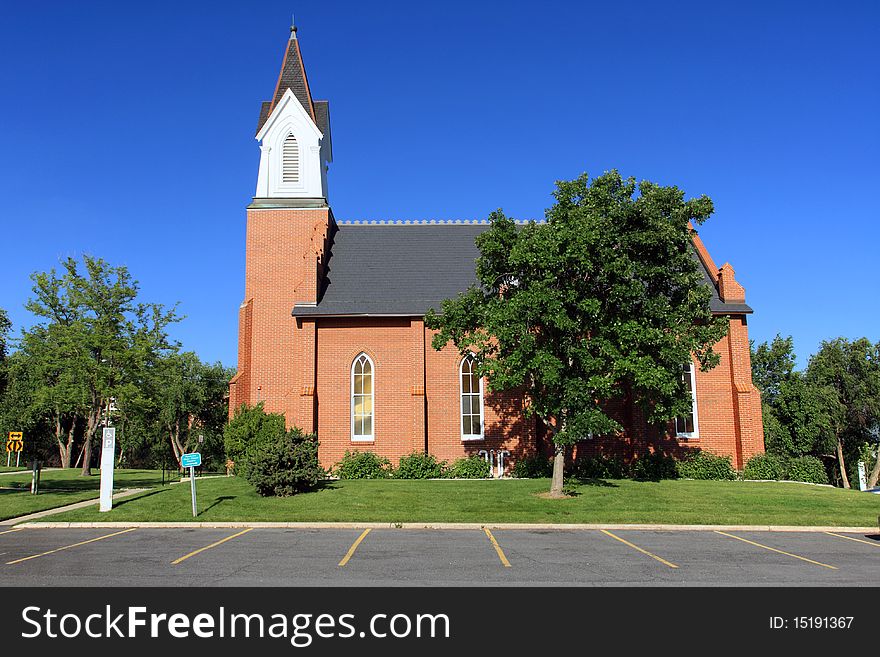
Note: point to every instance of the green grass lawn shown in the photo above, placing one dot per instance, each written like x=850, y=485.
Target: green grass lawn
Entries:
x=624, y=501
x=60, y=487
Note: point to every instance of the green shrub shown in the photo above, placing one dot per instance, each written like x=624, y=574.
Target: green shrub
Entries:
x=286, y=467
x=601, y=467
x=703, y=465
x=807, y=468
x=419, y=465
x=654, y=467
x=535, y=466
x=765, y=466
x=471, y=467
x=362, y=465
x=251, y=430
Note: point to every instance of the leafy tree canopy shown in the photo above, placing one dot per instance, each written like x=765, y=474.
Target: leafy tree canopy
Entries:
x=604, y=299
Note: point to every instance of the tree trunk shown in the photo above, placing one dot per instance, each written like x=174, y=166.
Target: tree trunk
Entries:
x=558, y=465
x=174, y=437
x=844, y=479
x=875, y=471
x=91, y=428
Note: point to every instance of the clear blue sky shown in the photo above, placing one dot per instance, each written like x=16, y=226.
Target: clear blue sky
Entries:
x=126, y=132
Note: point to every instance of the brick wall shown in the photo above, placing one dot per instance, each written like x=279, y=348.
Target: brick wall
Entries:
x=303, y=368
x=283, y=263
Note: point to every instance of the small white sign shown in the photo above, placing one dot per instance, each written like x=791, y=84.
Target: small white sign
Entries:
x=863, y=479
x=108, y=457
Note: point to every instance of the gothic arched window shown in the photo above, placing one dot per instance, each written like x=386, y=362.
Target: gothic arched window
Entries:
x=362, y=398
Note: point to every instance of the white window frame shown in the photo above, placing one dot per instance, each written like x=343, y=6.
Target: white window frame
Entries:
x=461, y=393
x=696, y=432
x=371, y=437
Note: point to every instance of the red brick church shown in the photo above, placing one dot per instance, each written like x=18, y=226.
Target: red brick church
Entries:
x=331, y=330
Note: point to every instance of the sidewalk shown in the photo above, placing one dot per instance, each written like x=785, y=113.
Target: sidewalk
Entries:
x=70, y=507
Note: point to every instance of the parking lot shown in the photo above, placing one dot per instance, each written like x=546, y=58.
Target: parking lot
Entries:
x=450, y=557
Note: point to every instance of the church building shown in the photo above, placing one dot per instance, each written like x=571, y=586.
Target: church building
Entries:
x=332, y=334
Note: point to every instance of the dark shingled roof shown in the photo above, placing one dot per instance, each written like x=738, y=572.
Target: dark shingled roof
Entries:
x=322, y=114
x=406, y=269
x=293, y=77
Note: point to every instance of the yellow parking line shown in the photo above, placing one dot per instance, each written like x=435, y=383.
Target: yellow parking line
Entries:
x=208, y=547
x=857, y=540
x=67, y=547
x=636, y=547
x=497, y=547
x=353, y=547
x=767, y=547
x=9, y=531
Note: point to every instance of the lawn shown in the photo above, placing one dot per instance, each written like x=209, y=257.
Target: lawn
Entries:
x=623, y=501
x=60, y=487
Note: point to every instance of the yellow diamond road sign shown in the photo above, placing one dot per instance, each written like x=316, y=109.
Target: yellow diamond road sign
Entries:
x=15, y=442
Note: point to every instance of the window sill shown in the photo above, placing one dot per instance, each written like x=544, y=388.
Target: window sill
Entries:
x=472, y=439
x=362, y=440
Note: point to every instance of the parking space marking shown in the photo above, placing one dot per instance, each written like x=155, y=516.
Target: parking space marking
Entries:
x=767, y=547
x=353, y=547
x=9, y=531
x=636, y=547
x=67, y=547
x=857, y=540
x=497, y=547
x=208, y=547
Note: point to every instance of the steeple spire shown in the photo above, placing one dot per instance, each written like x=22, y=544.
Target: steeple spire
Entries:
x=292, y=28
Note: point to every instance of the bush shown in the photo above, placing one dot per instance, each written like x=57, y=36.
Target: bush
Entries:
x=807, y=468
x=362, y=465
x=419, y=465
x=703, y=465
x=601, y=467
x=654, y=467
x=535, y=466
x=286, y=467
x=765, y=466
x=471, y=467
x=251, y=430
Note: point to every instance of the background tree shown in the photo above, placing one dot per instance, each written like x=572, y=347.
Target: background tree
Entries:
x=603, y=300
x=103, y=334
x=772, y=366
x=850, y=372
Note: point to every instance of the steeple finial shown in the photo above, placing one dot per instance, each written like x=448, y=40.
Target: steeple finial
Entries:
x=292, y=28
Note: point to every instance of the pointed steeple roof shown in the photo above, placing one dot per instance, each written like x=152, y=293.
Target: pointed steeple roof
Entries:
x=293, y=77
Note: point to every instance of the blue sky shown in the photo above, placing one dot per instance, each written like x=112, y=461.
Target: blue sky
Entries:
x=126, y=132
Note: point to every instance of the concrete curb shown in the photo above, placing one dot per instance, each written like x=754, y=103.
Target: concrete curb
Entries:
x=439, y=525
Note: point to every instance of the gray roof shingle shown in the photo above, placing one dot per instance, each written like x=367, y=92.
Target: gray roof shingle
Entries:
x=403, y=270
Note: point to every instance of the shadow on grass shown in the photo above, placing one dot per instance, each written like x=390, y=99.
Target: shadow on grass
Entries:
x=218, y=500
x=136, y=498
x=590, y=481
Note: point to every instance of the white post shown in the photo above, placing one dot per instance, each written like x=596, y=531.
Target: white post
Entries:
x=192, y=483
x=863, y=479
x=108, y=451
x=17, y=458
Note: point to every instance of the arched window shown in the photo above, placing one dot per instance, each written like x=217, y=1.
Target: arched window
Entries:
x=362, y=398
x=290, y=160
x=686, y=426
x=471, y=401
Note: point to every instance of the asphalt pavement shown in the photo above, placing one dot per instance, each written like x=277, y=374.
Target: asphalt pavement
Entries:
x=114, y=556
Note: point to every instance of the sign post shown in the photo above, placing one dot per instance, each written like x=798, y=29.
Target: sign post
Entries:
x=108, y=456
x=192, y=461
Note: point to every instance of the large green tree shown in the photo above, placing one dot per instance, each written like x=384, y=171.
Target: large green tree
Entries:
x=850, y=371
x=98, y=333
x=772, y=366
x=603, y=300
